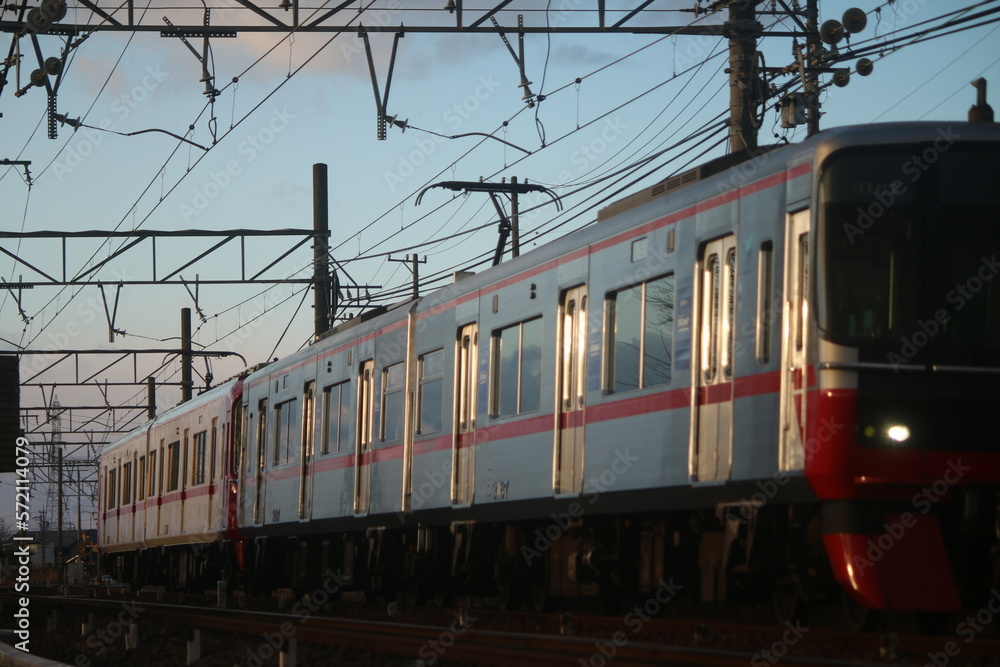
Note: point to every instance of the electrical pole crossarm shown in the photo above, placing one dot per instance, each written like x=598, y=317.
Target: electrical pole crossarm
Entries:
x=478, y=186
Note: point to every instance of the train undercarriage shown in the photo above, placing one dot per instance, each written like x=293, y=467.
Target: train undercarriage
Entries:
x=738, y=553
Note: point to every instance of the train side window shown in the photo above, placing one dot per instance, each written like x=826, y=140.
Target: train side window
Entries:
x=803, y=277
x=214, y=448
x=185, y=455
x=287, y=435
x=393, y=385
x=239, y=437
x=516, y=369
x=308, y=419
x=336, y=418
x=429, y=392
x=200, y=446
x=640, y=335
x=765, y=301
x=126, y=484
x=152, y=474
x=140, y=486
x=729, y=314
x=109, y=483
x=713, y=288
x=174, y=463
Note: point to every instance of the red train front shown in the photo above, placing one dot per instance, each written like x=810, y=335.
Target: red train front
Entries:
x=902, y=438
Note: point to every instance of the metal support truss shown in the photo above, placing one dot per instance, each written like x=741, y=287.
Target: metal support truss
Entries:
x=59, y=276
x=299, y=16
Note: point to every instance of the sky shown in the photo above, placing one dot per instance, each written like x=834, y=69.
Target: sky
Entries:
x=289, y=102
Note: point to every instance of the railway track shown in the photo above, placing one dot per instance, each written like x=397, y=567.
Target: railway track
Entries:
x=542, y=639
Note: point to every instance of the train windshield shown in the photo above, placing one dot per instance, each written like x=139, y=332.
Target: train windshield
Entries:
x=909, y=264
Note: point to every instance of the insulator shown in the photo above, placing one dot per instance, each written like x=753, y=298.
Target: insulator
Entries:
x=864, y=67
x=37, y=21
x=52, y=65
x=54, y=10
x=854, y=20
x=831, y=32
x=841, y=78
x=39, y=77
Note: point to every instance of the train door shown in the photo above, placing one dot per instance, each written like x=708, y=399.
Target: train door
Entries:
x=362, y=460
x=308, y=451
x=213, y=438
x=133, y=493
x=794, y=379
x=258, y=498
x=239, y=461
x=572, y=387
x=714, y=395
x=463, y=454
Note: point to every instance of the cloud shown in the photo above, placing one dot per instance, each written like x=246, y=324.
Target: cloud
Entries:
x=580, y=55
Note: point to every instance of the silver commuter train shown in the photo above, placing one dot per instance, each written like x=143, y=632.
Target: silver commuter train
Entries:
x=719, y=384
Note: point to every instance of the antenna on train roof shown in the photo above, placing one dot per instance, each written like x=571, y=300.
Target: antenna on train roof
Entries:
x=980, y=112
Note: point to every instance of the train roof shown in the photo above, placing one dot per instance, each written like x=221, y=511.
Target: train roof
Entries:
x=710, y=176
x=176, y=411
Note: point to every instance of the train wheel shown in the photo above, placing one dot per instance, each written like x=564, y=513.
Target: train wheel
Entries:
x=859, y=617
x=788, y=599
x=506, y=577
x=540, y=584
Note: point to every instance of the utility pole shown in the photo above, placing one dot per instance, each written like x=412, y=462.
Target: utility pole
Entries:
x=515, y=230
x=187, y=359
x=742, y=30
x=79, y=524
x=151, y=398
x=814, y=48
x=414, y=262
x=59, y=517
x=321, y=228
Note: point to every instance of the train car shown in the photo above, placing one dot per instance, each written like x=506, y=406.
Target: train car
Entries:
x=775, y=374
x=168, y=494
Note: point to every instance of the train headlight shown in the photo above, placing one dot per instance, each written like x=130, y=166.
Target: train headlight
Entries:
x=899, y=433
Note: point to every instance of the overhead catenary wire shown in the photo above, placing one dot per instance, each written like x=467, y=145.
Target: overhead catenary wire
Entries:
x=201, y=157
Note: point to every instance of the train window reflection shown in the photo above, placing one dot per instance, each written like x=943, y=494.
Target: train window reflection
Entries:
x=640, y=331
x=429, y=402
x=336, y=418
x=393, y=383
x=287, y=431
x=516, y=369
x=902, y=246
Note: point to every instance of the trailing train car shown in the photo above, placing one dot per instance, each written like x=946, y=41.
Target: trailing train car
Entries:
x=168, y=493
x=775, y=374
